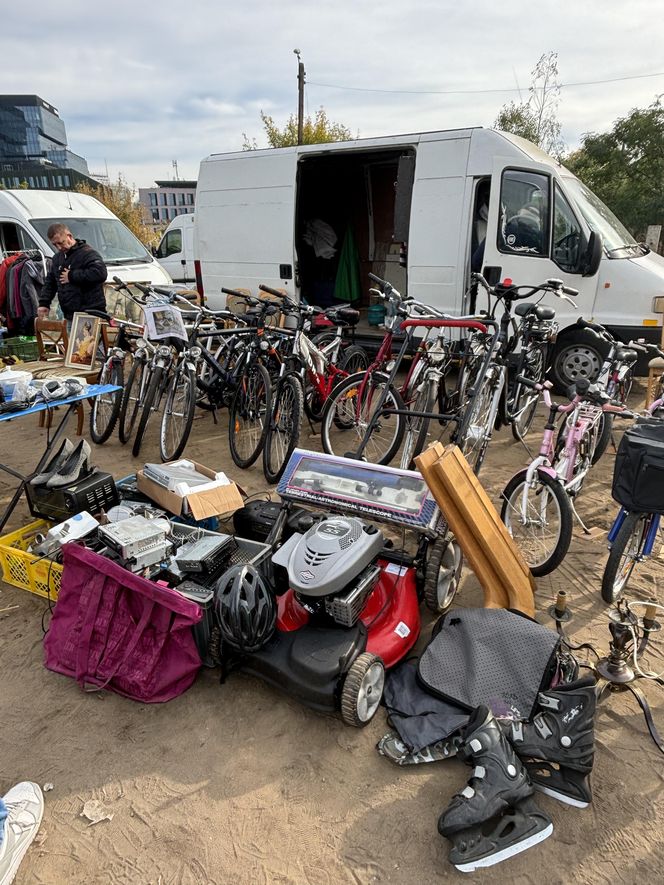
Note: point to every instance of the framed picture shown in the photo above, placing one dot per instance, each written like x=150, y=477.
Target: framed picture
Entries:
x=83, y=341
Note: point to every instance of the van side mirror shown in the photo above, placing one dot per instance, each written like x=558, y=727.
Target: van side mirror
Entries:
x=589, y=264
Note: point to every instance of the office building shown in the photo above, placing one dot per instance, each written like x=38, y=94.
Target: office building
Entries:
x=169, y=198
x=33, y=146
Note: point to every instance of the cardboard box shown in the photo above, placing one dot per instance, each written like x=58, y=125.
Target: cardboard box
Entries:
x=221, y=501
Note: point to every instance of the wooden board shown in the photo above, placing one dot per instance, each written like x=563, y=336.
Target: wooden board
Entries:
x=481, y=534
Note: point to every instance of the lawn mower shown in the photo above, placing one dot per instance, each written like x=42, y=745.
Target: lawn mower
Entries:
x=337, y=604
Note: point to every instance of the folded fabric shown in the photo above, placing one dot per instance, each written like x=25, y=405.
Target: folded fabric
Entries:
x=418, y=716
x=496, y=657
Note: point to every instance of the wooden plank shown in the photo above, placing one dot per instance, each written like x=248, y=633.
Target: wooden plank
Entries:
x=490, y=510
x=495, y=594
x=479, y=513
x=483, y=538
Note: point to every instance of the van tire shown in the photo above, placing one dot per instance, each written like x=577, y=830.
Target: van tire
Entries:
x=576, y=353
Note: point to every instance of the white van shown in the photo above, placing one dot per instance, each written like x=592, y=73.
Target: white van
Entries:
x=26, y=215
x=175, y=252
x=265, y=216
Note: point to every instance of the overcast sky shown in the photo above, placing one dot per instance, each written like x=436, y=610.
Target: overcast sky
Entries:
x=143, y=83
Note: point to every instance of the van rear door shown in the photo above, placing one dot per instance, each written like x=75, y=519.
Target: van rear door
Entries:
x=244, y=221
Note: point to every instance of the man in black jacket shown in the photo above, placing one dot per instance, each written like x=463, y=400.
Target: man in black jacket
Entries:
x=76, y=276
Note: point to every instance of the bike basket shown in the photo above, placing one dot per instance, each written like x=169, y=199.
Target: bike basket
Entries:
x=638, y=476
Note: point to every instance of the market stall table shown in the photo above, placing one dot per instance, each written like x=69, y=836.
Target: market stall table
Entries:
x=70, y=403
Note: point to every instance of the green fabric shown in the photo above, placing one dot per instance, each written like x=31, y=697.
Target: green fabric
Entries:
x=347, y=286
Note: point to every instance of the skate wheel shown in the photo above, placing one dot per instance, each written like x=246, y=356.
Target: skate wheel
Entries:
x=362, y=690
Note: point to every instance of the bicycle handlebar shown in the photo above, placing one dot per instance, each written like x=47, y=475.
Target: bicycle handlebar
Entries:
x=271, y=291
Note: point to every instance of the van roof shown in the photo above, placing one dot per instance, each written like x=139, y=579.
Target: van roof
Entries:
x=57, y=204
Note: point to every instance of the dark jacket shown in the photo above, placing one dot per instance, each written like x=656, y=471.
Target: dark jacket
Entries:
x=85, y=289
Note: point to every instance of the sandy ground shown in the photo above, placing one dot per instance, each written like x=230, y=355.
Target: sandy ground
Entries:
x=236, y=784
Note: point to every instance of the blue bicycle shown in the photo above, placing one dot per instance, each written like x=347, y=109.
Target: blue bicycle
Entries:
x=631, y=540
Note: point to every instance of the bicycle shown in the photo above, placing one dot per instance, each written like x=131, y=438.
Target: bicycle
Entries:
x=537, y=502
x=367, y=408
x=633, y=534
x=503, y=399
x=105, y=409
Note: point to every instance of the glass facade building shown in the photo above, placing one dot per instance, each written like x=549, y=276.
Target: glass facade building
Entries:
x=33, y=146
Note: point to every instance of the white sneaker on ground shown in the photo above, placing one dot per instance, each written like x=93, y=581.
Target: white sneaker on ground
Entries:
x=25, y=807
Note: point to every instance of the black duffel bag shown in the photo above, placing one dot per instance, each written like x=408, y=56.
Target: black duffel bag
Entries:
x=638, y=476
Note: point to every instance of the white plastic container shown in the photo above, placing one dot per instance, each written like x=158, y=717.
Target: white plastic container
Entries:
x=10, y=379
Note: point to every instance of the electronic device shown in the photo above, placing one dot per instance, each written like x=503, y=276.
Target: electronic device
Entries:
x=208, y=554
x=203, y=630
x=93, y=493
x=139, y=542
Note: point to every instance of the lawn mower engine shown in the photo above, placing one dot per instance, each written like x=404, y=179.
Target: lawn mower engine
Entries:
x=332, y=568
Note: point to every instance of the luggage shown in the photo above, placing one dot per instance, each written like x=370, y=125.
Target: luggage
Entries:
x=638, y=476
x=116, y=630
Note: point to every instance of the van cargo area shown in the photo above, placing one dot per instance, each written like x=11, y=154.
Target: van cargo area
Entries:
x=364, y=199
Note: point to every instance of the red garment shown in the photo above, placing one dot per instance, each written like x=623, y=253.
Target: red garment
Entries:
x=4, y=267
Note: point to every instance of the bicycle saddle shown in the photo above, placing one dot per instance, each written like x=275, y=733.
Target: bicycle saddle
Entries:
x=538, y=310
x=626, y=355
x=346, y=316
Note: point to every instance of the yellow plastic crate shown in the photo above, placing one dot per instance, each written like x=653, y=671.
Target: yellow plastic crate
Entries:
x=22, y=569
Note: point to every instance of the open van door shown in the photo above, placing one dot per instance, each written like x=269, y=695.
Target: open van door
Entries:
x=244, y=221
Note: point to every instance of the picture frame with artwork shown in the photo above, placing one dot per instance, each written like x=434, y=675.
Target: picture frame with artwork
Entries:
x=83, y=342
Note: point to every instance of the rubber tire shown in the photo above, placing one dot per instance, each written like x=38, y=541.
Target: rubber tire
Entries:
x=116, y=377
x=271, y=469
x=521, y=427
x=582, y=341
x=126, y=426
x=480, y=406
x=330, y=408
x=437, y=553
x=355, y=359
x=239, y=459
x=634, y=524
x=604, y=437
x=415, y=436
x=146, y=411
x=564, y=538
x=188, y=377
x=350, y=692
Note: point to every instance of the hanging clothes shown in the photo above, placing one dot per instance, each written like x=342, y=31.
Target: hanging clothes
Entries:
x=347, y=286
x=4, y=268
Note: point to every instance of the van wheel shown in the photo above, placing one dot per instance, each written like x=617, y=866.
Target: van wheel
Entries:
x=578, y=354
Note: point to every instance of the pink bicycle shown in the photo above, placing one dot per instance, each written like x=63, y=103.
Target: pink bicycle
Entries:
x=538, y=502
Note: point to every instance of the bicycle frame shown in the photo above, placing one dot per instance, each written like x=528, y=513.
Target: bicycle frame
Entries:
x=651, y=536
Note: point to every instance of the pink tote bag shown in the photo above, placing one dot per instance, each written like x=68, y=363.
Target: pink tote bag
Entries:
x=116, y=630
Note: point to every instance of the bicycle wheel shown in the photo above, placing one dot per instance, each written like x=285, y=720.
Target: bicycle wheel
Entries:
x=604, y=431
x=147, y=407
x=106, y=408
x=178, y=415
x=523, y=406
x=345, y=420
x=477, y=424
x=248, y=416
x=545, y=536
x=417, y=429
x=283, y=432
x=131, y=399
x=626, y=551
x=354, y=359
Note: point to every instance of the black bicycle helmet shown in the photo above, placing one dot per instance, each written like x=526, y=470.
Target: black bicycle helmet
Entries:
x=246, y=608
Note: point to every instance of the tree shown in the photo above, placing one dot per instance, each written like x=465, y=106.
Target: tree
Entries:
x=320, y=130
x=625, y=167
x=536, y=119
x=119, y=198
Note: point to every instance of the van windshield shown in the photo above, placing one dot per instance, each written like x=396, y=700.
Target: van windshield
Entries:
x=114, y=242
x=618, y=241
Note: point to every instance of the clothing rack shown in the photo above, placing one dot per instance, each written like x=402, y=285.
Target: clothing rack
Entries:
x=34, y=254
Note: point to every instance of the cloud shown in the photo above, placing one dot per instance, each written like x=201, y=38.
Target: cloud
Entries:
x=139, y=85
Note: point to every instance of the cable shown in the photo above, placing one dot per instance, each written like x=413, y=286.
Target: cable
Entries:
x=479, y=91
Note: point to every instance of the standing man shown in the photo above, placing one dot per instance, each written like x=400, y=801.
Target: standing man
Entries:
x=76, y=276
